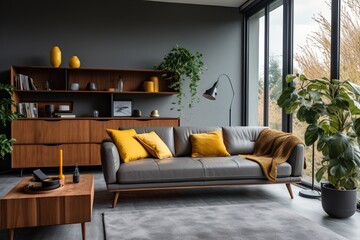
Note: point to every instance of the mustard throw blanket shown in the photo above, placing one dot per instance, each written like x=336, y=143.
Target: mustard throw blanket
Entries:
x=271, y=149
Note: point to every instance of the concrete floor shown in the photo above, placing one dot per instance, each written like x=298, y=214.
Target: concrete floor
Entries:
x=308, y=208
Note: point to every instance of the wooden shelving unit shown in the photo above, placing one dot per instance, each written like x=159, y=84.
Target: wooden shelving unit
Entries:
x=38, y=140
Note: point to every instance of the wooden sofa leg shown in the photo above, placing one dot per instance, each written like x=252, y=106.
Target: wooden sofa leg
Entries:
x=288, y=185
x=116, y=197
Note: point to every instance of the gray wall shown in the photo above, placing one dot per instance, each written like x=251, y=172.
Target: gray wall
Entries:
x=129, y=34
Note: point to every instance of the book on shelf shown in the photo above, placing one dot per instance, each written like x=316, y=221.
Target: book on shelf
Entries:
x=21, y=110
x=24, y=82
x=28, y=109
x=32, y=84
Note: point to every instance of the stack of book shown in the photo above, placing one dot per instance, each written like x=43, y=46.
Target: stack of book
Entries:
x=28, y=110
x=24, y=82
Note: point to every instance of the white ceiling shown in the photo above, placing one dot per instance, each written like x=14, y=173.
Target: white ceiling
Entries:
x=224, y=3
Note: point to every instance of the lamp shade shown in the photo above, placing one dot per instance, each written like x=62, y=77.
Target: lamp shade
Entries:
x=211, y=92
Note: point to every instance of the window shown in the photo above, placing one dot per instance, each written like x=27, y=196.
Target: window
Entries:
x=302, y=29
x=275, y=63
x=311, y=57
x=265, y=65
x=349, y=41
x=256, y=66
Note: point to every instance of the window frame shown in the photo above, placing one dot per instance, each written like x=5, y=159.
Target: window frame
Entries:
x=288, y=49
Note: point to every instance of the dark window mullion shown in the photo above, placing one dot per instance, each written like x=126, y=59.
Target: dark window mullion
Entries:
x=266, y=67
x=245, y=76
x=335, y=40
x=288, y=55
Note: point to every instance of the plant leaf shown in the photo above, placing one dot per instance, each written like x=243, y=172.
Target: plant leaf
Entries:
x=320, y=173
x=357, y=127
x=290, y=78
x=338, y=143
x=311, y=134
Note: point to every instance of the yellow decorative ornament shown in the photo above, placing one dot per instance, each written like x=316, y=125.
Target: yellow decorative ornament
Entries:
x=74, y=62
x=55, y=56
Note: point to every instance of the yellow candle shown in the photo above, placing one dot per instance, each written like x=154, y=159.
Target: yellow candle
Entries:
x=61, y=175
x=149, y=86
x=155, y=80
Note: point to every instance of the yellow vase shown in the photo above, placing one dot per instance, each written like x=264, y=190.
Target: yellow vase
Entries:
x=74, y=62
x=55, y=56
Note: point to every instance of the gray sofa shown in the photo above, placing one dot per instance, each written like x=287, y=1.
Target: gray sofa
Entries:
x=184, y=171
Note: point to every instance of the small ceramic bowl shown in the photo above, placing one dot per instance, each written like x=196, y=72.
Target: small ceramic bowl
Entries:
x=75, y=86
x=91, y=86
x=154, y=113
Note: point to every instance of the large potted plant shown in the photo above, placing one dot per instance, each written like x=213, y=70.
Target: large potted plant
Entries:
x=331, y=108
x=181, y=66
x=6, y=115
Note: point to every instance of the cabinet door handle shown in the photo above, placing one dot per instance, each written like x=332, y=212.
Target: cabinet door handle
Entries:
x=53, y=144
x=143, y=120
x=55, y=120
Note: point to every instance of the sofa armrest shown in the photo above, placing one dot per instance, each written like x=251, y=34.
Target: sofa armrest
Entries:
x=296, y=160
x=110, y=160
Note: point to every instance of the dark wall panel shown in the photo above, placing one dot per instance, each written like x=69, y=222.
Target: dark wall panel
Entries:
x=128, y=34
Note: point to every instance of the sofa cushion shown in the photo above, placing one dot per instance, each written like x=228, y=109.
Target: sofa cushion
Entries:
x=182, y=169
x=235, y=167
x=154, y=145
x=182, y=141
x=165, y=133
x=209, y=144
x=160, y=170
x=129, y=148
x=240, y=140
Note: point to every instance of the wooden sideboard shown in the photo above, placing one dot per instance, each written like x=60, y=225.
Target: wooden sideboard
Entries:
x=38, y=141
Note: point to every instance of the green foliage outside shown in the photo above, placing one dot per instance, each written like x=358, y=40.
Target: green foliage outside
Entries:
x=314, y=58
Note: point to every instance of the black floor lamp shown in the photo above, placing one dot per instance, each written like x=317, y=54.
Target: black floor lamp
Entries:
x=311, y=193
x=212, y=92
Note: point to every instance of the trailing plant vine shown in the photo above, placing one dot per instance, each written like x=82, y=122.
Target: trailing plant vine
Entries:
x=181, y=65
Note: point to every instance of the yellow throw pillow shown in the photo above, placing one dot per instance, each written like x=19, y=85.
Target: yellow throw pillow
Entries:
x=154, y=145
x=209, y=144
x=129, y=148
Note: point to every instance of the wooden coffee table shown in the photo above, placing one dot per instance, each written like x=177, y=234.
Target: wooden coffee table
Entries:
x=71, y=203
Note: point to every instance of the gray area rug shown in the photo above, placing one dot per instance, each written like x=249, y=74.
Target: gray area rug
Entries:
x=241, y=221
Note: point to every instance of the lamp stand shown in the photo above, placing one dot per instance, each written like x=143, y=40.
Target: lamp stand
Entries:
x=230, y=116
x=311, y=193
x=212, y=92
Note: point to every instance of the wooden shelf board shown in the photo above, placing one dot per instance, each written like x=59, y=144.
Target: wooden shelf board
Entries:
x=96, y=118
x=103, y=92
x=92, y=69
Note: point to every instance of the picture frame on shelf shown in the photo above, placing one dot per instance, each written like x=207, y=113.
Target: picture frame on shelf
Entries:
x=122, y=108
x=64, y=108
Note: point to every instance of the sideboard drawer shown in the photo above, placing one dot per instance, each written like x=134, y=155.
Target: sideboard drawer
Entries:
x=52, y=131
x=95, y=154
x=25, y=156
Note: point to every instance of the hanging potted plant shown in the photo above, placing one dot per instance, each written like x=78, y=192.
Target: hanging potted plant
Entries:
x=331, y=108
x=6, y=115
x=181, y=66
